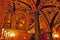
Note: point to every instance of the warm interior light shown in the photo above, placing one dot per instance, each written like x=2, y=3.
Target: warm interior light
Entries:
x=55, y=36
x=29, y=32
x=12, y=34
x=21, y=25
x=3, y=30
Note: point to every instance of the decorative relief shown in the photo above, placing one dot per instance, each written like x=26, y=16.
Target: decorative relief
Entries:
x=49, y=8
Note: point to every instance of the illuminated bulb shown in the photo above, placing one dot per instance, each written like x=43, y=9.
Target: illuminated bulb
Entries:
x=12, y=34
x=56, y=35
x=29, y=32
x=5, y=31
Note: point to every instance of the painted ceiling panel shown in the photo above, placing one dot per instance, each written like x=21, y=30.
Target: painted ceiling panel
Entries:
x=27, y=8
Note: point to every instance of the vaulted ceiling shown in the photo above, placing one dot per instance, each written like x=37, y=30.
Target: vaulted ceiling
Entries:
x=24, y=9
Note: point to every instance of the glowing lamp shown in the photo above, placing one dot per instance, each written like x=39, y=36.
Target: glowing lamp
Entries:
x=12, y=34
x=55, y=35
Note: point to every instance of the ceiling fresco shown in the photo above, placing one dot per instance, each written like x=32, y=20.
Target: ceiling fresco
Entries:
x=28, y=16
x=13, y=11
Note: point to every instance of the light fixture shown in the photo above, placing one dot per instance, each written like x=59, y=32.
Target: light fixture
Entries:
x=55, y=35
x=12, y=34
